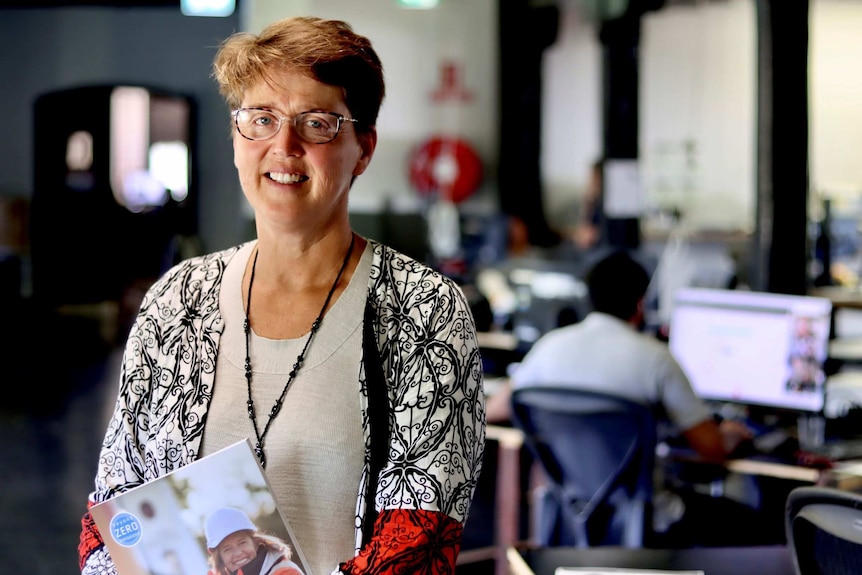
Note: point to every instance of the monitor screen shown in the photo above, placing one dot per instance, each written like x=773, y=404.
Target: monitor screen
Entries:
x=753, y=348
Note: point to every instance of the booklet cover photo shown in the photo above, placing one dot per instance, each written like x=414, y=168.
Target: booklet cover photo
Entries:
x=214, y=516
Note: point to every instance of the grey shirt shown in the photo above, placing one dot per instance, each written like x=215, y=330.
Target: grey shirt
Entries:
x=314, y=479
x=604, y=353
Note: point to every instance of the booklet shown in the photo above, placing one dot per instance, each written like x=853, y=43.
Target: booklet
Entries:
x=620, y=571
x=159, y=528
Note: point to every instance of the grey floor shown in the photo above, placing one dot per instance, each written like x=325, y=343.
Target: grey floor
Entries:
x=57, y=388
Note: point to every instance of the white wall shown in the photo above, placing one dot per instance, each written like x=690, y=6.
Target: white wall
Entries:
x=836, y=102
x=572, y=108
x=698, y=93
x=698, y=96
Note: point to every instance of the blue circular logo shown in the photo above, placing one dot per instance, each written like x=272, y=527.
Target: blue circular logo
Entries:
x=126, y=529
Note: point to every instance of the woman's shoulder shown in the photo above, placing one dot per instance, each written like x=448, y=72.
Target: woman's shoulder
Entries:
x=197, y=273
x=400, y=265
x=203, y=263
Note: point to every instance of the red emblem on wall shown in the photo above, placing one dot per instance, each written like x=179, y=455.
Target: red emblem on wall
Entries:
x=450, y=87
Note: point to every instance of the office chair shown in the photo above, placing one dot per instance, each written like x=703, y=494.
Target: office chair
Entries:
x=824, y=530
x=597, y=452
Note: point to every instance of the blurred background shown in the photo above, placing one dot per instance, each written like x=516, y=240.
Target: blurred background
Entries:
x=728, y=132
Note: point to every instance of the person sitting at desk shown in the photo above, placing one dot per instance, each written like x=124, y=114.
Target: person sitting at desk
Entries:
x=607, y=351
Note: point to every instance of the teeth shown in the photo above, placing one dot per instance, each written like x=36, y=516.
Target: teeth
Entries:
x=286, y=178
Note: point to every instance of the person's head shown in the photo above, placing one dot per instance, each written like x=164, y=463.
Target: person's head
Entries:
x=597, y=170
x=233, y=540
x=518, y=235
x=617, y=284
x=304, y=96
x=593, y=191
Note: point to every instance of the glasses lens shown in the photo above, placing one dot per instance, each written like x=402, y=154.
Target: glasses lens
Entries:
x=257, y=124
x=317, y=127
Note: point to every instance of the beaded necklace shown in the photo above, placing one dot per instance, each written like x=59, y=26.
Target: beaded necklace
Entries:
x=246, y=326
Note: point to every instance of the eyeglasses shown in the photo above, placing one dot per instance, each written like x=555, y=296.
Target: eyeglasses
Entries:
x=313, y=127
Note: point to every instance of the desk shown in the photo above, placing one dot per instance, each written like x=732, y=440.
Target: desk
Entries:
x=843, y=475
x=841, y=297
x=754, y=465
x=504, y=341
x=772, y=560
x=508, y=490
x=846, y=349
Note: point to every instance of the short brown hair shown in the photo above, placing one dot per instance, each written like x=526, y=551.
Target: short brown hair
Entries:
x=328, y=51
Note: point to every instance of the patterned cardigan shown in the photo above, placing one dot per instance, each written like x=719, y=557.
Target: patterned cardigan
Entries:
x=420, y=387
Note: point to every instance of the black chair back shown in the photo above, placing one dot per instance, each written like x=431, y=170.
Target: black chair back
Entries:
x=598, y=455
x=824, y=530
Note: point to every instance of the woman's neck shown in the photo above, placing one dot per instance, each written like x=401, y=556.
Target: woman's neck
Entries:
x=285, y=307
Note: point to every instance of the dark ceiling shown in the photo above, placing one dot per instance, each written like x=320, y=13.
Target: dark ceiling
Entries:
x=68, y=3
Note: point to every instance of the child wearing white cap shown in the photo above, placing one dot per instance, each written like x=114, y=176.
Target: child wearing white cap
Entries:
x=237, y=547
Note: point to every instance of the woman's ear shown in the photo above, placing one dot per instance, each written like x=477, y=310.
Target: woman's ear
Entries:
x=368, y=143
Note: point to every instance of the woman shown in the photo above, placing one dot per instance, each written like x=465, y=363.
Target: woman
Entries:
x=237, y=547
x=353, y=368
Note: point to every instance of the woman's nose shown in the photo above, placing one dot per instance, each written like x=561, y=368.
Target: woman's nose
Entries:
x=287, y=139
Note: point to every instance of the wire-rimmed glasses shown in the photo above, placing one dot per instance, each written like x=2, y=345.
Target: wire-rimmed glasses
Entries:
x=263, y=124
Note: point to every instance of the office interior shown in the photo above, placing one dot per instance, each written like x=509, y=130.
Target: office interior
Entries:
x=729, y=144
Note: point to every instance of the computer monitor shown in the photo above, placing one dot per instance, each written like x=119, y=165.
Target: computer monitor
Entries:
x=753, y=348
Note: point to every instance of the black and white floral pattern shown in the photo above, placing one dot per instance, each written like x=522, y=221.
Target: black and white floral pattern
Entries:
x=427, y=348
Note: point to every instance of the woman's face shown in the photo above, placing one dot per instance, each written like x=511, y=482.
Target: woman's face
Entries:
x=237, y=549
x=294, y=185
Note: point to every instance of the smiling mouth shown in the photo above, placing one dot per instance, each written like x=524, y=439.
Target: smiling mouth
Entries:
x=286, y=178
